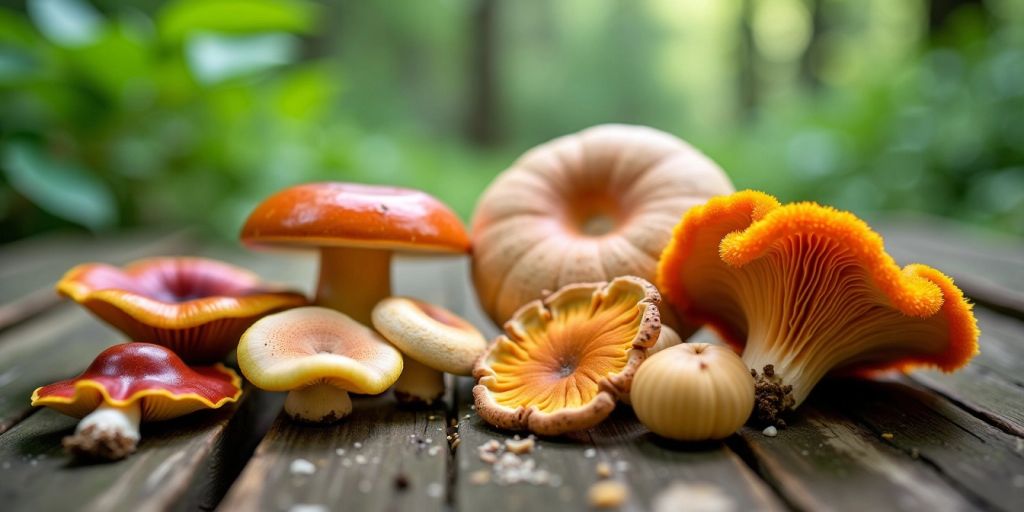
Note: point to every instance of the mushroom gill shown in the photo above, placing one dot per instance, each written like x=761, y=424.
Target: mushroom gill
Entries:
x=566, y=358
x=804, y=290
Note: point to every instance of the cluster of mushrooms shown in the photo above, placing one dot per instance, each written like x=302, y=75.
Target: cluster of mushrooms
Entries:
x=578, y=250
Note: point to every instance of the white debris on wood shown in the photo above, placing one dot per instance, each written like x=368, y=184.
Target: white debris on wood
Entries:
x=770, y=431
x=340, y=452
x=520, y=446
x=435, y=490
x=308, y=507
x=510, y=464
x=590, y=453
x=302, y=467
x=696, y=497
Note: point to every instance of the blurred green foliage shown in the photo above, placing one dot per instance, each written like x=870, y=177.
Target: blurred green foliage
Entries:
x=190, y=111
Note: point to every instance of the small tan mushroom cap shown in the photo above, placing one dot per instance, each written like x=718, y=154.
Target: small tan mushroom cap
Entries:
x=565, y=359
x=312, y=345
x=429, y=334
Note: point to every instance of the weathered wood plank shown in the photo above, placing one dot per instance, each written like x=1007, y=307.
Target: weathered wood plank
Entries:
x=380, y=458
x=992, y=385
x=647, y=465
x=37, y=475
x=979, y=460
x=30, y=269
x=989, y=267
x=825, y=461
x=54, y=346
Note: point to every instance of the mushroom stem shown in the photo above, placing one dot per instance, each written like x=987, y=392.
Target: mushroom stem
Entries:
x=109, y=432
x=319, y=403
x=419, y=384
x=353, y=280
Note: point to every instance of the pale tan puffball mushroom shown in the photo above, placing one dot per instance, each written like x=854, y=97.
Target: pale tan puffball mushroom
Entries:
x=693, y=392
x=585, y=207
x=433, y=341
x=318, y=355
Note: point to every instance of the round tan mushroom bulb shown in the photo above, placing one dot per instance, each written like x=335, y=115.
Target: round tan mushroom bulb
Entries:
x=433, y=341
x=693, y=392
x=586, y=207
x=318, y=355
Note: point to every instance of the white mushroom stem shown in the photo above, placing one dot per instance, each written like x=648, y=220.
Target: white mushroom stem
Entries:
x=318, y=403
x=353, y=280
x=109, y=432
x=419, y=384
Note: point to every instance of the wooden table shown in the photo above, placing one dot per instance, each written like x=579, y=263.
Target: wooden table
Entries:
x=921, y=442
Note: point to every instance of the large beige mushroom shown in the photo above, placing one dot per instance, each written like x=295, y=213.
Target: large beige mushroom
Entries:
x=586, y=207
x=433, y=340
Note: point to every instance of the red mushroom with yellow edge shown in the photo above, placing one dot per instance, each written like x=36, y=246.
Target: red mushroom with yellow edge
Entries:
x=566, y=358
x=805, y=290
x=130, y=383
x=318, y=355
x=356, y=229
x=197, y=307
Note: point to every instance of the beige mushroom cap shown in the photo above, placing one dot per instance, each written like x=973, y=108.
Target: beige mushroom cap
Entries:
x=430, y=334
x=311, y=345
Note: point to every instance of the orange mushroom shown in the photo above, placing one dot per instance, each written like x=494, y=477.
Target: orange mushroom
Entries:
x=804, y=290
x=197, y=307
x=565, y=359
x=586, y=207
x=356, y=229
x=130, y=383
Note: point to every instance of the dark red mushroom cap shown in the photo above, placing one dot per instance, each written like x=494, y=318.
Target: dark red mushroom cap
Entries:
x=352, y=215
x=130, y=372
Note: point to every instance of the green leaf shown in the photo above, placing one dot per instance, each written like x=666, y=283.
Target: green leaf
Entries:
x=69, y=192
x=184, y=17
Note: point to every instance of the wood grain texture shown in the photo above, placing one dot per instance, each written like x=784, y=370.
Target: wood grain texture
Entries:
x=825, y=461
x=54, y=346
x=393, y=445
x=991, y=386
x=29, y=269
x=989, y=267
x=35, y=474
x=979, y=460
x=647, y=465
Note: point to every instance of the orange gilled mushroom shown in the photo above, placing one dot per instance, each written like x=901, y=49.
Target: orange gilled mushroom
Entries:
x=585, y=207
x=566, y=358
x=804, y=290
x=130, y=383
x=195, y=306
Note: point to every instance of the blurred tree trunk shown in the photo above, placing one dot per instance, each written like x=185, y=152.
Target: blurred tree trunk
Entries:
x=810, y=61
x=481, y=117
x=747, y=62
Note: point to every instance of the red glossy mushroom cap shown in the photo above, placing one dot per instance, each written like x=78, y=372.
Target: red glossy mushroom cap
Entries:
x=129, y=372
x=352, y=215
x=197, y=307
